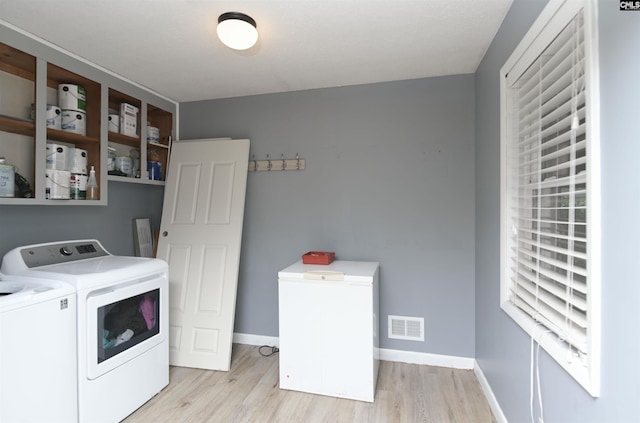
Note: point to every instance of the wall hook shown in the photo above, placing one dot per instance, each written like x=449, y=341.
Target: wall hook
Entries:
x=278, y=164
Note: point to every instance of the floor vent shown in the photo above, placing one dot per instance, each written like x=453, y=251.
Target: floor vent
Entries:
x=408, y=328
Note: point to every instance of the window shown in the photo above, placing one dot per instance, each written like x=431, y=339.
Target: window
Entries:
x=550, y=239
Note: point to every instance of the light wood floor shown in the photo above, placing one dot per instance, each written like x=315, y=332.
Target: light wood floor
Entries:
x=250, y=393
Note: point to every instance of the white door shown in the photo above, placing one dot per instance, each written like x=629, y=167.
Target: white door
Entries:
x=200, y=238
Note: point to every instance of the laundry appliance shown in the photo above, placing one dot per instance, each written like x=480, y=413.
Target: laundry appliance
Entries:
x=122, y=321
x=38, y=376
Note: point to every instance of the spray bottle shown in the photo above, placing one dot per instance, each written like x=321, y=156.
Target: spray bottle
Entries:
x=93, y=192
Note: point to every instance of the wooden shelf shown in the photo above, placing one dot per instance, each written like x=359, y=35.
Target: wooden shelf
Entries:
x=70, y=137
x=17, y=126
x=18, y=63
x=124, y=139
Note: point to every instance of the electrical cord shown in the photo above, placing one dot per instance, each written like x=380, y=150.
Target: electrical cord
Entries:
x=273, y=348
x=535, y=373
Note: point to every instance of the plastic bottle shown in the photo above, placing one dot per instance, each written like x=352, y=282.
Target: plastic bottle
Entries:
x=7, y=178
x=93, y=192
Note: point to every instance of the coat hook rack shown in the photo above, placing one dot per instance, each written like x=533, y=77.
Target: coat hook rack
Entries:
x=270, y=165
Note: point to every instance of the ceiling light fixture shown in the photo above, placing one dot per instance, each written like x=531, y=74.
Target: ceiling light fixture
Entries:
x=237, y=30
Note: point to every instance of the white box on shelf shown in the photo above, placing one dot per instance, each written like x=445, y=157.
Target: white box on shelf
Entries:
x=128, y=119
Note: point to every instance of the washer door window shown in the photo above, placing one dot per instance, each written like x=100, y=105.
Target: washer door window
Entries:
x=127, y=323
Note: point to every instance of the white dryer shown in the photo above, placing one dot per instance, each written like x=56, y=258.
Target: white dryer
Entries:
x=38, y=376
x=123, y=324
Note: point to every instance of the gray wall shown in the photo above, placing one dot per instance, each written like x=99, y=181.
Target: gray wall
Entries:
x=389, y=178
x=111, y=225
x=502, y=348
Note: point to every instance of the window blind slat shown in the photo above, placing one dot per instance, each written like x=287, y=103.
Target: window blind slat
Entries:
x=554, y=182
x=554, y=248
x=553, y=321
x=550, y=90
x=552, y=308
x=531, y=234
x=573, y=195
x=561, y=48
x=579, y=193
x=561, y=102
x=562, y=268
x=557, y=167
x=528, y=280
x=555, y=209
x=531, y=142
x=558, y=79
x=559, y=59
x=557, y=270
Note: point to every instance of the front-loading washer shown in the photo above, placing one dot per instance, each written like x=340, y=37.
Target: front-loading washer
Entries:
x=122, y=322
x=38, y=371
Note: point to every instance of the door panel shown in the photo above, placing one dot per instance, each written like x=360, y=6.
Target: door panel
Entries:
x=211, y=292
x=221, y=194
x=178, y=257
x=200, y=238
x=186, y=194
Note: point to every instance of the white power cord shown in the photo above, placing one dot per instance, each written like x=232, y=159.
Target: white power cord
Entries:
x=535, y=366
x=531, y=381
x=541, y=419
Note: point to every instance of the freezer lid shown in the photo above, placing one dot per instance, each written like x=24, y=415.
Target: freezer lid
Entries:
x=348, y=271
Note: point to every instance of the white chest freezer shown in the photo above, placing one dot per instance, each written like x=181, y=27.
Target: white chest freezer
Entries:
x=328, y=323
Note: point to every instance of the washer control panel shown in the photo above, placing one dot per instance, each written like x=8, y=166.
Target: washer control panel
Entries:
x=64, y=252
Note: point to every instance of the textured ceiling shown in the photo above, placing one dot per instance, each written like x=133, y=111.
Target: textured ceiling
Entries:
x=170, y=46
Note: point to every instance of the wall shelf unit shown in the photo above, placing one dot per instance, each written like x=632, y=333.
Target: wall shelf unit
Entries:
x=17, y=130
x=30, y=74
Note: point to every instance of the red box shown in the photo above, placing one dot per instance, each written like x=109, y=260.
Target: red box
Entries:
x=318, y=257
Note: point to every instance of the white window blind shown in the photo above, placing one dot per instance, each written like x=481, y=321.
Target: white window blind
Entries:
x=546, y=274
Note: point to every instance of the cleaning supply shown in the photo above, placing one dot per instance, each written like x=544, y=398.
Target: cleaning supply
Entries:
x=93, y=192
x=23, y=187
x=7, y=178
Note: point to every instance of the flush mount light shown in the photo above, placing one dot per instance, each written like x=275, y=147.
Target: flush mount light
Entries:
x=237, y=30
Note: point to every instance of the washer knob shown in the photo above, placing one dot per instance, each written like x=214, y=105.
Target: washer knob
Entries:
x=66, y=251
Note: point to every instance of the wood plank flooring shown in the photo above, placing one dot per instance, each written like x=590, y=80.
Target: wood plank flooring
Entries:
x=250, y=393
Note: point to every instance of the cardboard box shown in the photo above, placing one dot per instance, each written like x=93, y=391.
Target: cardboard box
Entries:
x=129, y=119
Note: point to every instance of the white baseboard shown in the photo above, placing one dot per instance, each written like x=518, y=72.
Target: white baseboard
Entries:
x=439, y=360
x=488, y=393
x=411, y=357
x=385, y=354
x=248, y=339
